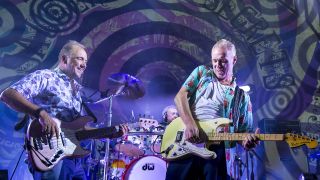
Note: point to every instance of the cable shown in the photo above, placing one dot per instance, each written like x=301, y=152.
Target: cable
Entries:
x=154, y=142
x=15, y=168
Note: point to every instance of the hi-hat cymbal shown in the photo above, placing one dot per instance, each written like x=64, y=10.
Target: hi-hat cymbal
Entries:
x=127, y=85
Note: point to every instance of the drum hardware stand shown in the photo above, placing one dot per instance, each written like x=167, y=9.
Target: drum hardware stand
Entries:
x=90, y=157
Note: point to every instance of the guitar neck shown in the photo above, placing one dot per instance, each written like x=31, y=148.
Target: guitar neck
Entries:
x=241, y=136
x=107, y=132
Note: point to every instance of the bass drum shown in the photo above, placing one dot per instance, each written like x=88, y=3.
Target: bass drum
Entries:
x=147, y=167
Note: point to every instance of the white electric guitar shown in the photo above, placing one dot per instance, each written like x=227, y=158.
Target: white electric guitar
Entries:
x=45, y=151
x=174, y=145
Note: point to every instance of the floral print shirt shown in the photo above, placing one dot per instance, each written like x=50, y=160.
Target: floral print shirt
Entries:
x=52, y=90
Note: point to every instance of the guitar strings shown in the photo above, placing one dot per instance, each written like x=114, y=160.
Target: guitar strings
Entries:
x=219, y=136
x=37, y=153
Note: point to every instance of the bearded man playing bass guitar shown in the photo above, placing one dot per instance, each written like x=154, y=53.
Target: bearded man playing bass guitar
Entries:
x=50, y=97
x=207, y=94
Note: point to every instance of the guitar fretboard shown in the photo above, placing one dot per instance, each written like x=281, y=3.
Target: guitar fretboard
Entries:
x=241, y=136
x=105, y=132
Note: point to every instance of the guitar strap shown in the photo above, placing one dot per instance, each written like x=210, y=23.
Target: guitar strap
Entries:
x=90, y=113
x=235, y=107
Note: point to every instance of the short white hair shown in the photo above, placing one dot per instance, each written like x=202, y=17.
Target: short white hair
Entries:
x=225, y=44
x=67, y=48
x=165, y=110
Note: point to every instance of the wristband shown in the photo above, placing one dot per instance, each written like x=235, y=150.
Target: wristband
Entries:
x=37, y=112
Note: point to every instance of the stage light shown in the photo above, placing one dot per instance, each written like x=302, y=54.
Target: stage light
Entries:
x=245, y=88
x=308, y=176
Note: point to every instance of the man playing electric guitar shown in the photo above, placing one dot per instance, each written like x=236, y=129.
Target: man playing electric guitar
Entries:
x=51, y=97
x=207, y=94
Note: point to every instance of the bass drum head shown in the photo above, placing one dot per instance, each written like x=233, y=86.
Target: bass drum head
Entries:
x=147, y=167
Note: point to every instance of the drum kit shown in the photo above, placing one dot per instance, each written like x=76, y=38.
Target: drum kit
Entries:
x=135, y=156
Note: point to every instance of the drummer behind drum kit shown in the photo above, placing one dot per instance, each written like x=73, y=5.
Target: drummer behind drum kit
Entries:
x=135, y=156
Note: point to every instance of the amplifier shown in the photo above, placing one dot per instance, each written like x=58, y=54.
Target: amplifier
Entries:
x=4, y=174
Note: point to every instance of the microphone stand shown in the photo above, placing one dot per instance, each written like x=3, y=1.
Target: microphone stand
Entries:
x=108, y=124
x=107, y=142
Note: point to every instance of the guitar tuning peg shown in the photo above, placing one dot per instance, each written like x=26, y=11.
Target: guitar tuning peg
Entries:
x=144, y=115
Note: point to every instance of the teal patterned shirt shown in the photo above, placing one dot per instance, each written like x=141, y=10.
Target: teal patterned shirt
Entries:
x=200, y=78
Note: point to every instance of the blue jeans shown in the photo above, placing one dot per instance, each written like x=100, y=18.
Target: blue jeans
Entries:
x=197, y=168
x=67, y=169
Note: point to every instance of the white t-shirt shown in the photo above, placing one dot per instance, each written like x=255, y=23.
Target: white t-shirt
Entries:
x=209, y=105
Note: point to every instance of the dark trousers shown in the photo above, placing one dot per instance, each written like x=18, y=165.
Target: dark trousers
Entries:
x=67, y=169
x=197, y=168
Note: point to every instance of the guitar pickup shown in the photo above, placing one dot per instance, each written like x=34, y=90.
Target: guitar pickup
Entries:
x=179, y=136
x=48, y=137
x=37, y=143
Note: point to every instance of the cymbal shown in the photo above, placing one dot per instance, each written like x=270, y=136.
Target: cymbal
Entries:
x=127, y=85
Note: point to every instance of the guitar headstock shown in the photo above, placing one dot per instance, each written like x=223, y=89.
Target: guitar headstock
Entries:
x=147, y=123
x=295, y=140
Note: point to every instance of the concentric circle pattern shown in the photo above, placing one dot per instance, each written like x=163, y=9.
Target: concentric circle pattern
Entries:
x=160, y=42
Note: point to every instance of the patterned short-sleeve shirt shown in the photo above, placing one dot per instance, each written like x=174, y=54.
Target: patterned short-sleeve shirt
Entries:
x=195, y=84
x=52, y=90
x=199, y=80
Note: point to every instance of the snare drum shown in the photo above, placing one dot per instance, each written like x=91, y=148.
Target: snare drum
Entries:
x=147, y=167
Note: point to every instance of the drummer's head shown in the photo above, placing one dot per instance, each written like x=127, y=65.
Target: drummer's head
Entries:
x=169, y=113
x=73, y=59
